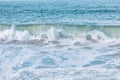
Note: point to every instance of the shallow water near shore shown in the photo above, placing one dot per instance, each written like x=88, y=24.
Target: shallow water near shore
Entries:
x=79, y=60
x=50, y=52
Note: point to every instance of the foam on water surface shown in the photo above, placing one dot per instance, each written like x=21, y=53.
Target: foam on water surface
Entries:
x=65, y=74
x=60, y=60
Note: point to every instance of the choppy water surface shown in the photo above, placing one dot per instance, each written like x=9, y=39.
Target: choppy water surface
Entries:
x=65, y=40
x=63, y=11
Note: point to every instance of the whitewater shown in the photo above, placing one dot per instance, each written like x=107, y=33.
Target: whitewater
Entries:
x=48, y=52
x=60, y=40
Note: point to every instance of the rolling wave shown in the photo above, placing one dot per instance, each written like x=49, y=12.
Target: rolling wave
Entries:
x=53, y=32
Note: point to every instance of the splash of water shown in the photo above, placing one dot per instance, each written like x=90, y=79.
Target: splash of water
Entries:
x=51, y=34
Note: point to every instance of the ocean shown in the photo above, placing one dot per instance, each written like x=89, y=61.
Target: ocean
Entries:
x=60, y=40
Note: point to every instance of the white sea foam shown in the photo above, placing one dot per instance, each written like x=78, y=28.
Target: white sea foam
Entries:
x=12, y=34
x=65, y=60
x=66, y=73
x=57, y=54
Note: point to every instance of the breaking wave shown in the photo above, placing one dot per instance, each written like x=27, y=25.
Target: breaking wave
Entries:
x=74, y=52
x=26, y=33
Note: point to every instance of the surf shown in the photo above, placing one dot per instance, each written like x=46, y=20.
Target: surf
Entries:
x=54, y=32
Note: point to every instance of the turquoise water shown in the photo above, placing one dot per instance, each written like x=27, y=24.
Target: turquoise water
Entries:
x=61, y=12
x=60, y=40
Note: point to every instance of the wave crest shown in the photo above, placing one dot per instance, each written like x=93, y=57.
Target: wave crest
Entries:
x=50, y=34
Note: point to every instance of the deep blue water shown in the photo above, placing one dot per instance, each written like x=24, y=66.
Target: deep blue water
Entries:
x=55, y=11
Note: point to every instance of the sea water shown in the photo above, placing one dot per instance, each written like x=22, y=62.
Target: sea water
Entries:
x=60, y=40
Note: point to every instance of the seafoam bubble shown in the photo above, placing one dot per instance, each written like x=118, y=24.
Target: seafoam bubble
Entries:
x=65, y=74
